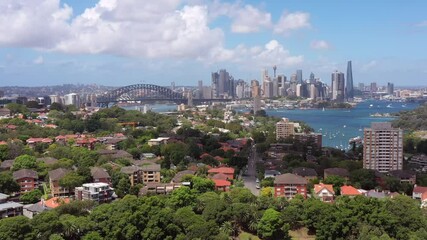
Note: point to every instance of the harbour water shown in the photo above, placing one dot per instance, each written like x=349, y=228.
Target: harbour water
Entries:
x=339, y=125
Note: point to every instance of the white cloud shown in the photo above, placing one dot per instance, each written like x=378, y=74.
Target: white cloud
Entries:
x=250, y=19
x=421, y=24
x=368, y=66
x=135, y=28
x=292, y=21
x=37, y=23
x=320, y=45
x=38, y=60
x=161, y=29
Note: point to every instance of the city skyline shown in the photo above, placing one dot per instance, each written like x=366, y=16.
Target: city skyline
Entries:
x=116, y=43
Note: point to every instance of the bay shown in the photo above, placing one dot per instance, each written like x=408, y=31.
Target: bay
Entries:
x=339, y=125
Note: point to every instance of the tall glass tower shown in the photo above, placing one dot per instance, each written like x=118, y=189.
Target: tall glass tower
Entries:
x=349, y=91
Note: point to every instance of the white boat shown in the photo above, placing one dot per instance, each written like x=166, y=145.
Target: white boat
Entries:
x=323, y=109
x=389, y=106
x=371, y=105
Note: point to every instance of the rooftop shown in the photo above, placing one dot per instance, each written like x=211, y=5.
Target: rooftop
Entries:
x=349, y=191
x=289, y=178
x=25, y=173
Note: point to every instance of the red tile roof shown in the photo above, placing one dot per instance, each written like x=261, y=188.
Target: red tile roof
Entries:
x=3, y=143
x=56, y=202
x=221, y=183
x=225, y=170
x=39, y=140
x=321, y=186
x=349, y=191
x=220, y=176
x=420, y=189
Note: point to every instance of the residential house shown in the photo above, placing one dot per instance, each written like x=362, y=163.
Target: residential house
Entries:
x=404, y=176
x=222, y=185
x=349, y=191
x=54, y=177
x=340, y=172
x=99, y=192
x=158, y=141
x=418, y=192
x=6, y=165
x=134, y=173
x=150, y=173
x=27, y=179
x=100, y=175
x=30, y=210
x=271, y=173
x=56, y=202
x=288, y=185
x=228, y=171
x=179, y=175
x=32, y=142
x=9, y=209
x=325, y=192
x=159, y=188
x=88, y=142
x=419, y=162
x=307, y=173
x=221, y=182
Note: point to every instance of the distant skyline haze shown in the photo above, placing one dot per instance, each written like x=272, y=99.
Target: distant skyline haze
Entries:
x=123, y=42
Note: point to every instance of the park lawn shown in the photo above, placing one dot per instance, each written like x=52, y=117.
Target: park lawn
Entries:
x=301, y=234
x=247, y=236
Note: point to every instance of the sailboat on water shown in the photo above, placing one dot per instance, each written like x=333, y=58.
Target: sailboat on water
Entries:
x=323, y=109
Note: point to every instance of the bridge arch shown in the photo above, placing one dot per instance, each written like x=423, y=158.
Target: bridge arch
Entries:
x=140, y=92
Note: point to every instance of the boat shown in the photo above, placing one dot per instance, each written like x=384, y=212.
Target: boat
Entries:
x=403, y=105
x=323, y=109
x=389, y=106
x=371, y=105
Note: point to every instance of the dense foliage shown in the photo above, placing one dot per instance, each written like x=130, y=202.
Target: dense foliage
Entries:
x=191, y=214
x=413, y=120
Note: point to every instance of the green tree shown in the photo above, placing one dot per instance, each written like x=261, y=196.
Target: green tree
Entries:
x=270, y=226
x=71, y=180
x=8, y=184
x=363, y=178
x=25, y=162
x=336, y=181
x=57, y=107
x=31, y=197
x=123, y=187
x=202, y=185
x=15, y=228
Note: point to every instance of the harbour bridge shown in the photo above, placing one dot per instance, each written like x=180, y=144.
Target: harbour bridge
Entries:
x=148, y=93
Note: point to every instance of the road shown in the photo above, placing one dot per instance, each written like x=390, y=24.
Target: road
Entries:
x=250, y=177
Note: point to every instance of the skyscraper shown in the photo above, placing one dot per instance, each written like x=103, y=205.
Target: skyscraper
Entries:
x=299, y=76
x=390, y=88
x=349, y=90
x=312, y=79
x=200, y=92
x=383, y=147
x=338, y=86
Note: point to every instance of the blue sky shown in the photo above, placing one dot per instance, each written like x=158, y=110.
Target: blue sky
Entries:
x=121, y=42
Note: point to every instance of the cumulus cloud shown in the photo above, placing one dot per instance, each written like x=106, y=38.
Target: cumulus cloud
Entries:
x=38, y=60
x=37, y=24
x=250, y=19
x=152, y=29
x=320, y=45
x=161, y=29
x=292, y=21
